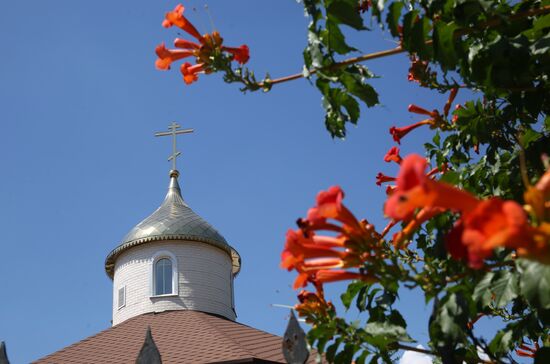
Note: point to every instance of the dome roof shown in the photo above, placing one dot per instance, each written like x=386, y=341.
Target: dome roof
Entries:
x=173, y=220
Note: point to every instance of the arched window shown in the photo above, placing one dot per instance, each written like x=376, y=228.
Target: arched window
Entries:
x=164, y=274
x=163, y=277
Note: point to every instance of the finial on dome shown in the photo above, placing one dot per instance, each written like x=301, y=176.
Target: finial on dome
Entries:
x=173, y=132
x=174, y=173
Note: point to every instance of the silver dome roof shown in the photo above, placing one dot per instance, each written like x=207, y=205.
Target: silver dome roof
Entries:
x=173, y=220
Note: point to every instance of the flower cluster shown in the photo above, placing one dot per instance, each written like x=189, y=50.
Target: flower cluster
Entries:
x=393, y=156
x=204, y=49
x=321, y=259
x=313, y=306
x=420, y=71
x=483, y=224
x=435, y=120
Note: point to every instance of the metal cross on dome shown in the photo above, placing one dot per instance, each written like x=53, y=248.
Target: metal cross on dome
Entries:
x=173, y=132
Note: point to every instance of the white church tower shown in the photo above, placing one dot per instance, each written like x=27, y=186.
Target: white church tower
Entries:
x=173, y=260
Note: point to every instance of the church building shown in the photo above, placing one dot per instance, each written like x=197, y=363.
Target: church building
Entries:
x=173, y=296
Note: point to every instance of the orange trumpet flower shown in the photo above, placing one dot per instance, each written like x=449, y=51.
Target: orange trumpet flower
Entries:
x=336, y=275
x=416, y=190
x=329, y=206
x=399, y=133
x=382, y=178
x=176, y=18
x=450, y=100
x=167, y=56
x=420, y=110
x=312, y=304
x=393, y=156
x=240, y=54
x=493, y=223
x=185, y=44
x=190, y=72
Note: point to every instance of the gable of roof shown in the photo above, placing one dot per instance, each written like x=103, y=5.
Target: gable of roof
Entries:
x=181, y=336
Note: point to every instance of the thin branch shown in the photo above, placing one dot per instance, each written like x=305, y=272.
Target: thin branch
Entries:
x=390, y=52
x=349, y=61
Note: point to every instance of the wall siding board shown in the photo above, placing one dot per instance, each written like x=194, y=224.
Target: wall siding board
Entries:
x=204, y=274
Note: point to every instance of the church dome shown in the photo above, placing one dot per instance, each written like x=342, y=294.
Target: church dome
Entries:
x=173, y=220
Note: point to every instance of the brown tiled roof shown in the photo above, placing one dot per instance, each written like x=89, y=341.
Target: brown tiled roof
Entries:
x=181, y=336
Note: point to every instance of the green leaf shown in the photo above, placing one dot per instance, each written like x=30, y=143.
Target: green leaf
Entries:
x=383, y=333
x=444, y=39
x=542, y=22
x=362, y=358
x=348, y=296
x=313, y=55
x=419, y=33
x=450, y=318
x=505, y=288
x=394, y=13
x=528, y=137
x=503, y=342
x=352, y=107
x=345, y=12
x=361, y=302
x=397, y=319
x=331, y=350
x=535, y=283
x=346, y=356
x=482, y=293
x=334, y=39
x=408, y=22
x=355, y=84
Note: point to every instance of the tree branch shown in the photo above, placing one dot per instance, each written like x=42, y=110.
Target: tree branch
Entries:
x=390, y=52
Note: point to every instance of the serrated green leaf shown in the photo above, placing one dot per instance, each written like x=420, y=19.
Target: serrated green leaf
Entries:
x=394, y=13
x=504, y=286
x=362, y=358
x=482, y=293
x=528, y=137
x=346, y=356
x=408, y=22
x=449, y=318
x=352, y=291
x=315, y=55
x=355, y=84
x=331, y=350
x=451, y=177
x=535, y=283
x=444, y=39
x=383, y=333
x=352, y=107
x=542, y=22
x=503, y=342
x=419, y=33
x=345, y=12
x=334, y=39
x=362, y=297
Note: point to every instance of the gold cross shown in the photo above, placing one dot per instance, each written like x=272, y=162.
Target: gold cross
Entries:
x=173, y=132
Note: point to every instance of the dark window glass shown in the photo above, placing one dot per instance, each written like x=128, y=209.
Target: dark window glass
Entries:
x=163, y=276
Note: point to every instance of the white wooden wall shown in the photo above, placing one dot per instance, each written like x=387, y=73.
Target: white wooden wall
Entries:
x=204, y=274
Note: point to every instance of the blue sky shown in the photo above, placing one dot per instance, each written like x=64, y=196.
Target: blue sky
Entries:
x=80, y=101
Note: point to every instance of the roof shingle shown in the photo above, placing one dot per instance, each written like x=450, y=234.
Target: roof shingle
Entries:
x=181, y=336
